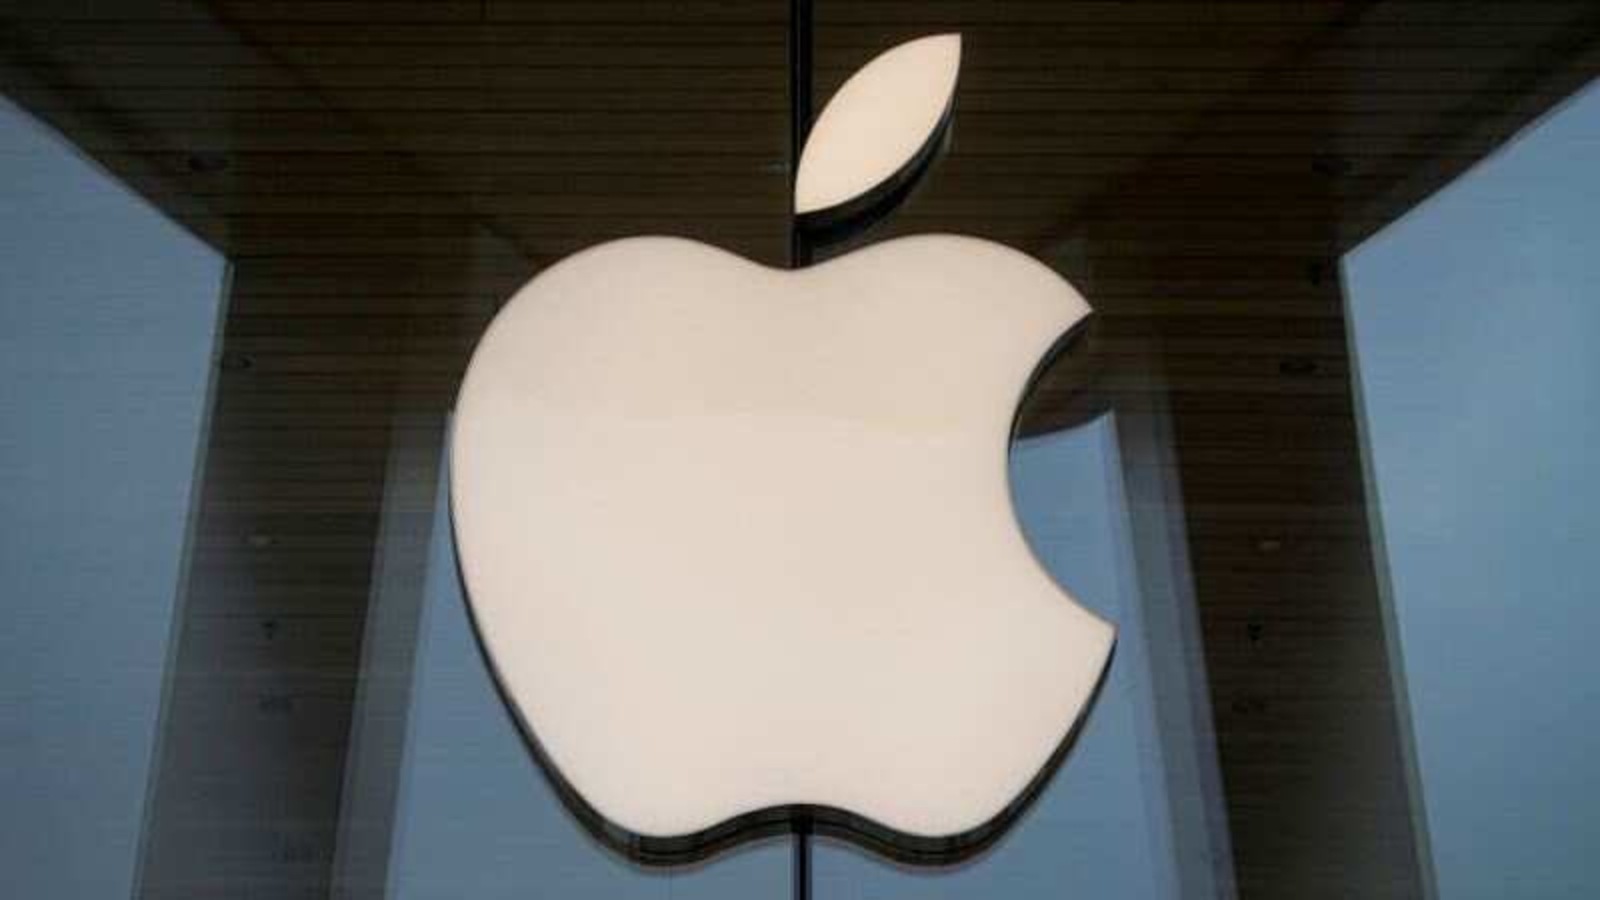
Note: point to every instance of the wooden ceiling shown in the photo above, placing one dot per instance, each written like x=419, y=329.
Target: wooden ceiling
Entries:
x=384, y=172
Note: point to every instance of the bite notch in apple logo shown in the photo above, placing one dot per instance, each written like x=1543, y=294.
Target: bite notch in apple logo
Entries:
x=738, y=542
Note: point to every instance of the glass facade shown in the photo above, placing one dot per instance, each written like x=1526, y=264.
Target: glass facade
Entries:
x=1322, y=453
x=108, y=325
x=1469, y=325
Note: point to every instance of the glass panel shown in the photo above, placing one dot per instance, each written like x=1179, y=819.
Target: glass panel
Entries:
x=1474, y=323
x=108, y=319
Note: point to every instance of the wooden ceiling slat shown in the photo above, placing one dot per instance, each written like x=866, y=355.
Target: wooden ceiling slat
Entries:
x=1067, y=103
x=1481, y=32
x=713, y=58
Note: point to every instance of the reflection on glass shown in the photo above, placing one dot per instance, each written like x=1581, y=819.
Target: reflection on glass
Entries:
x=1474, y=322
x=108, y=317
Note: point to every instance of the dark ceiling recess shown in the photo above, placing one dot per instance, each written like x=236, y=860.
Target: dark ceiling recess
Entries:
x=383, y=173
x=207, y=163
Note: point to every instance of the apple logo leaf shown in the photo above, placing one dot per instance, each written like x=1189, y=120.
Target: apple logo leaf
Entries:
x=881, y=127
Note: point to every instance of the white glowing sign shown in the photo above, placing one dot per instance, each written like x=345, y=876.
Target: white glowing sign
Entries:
x=739, y=542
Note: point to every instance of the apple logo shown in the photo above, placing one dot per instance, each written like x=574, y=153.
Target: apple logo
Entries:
x=738, y=542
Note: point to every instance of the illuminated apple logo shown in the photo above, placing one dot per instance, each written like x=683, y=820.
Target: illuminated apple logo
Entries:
x=739, y=542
